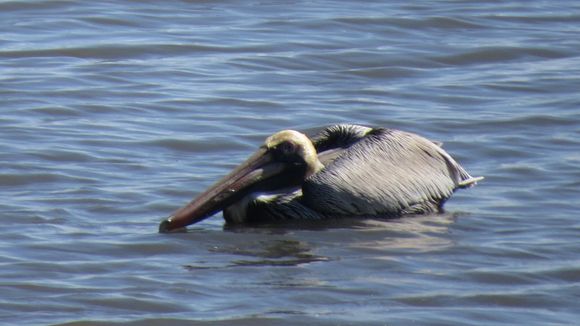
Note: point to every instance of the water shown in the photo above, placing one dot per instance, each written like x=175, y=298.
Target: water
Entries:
x=114, y=114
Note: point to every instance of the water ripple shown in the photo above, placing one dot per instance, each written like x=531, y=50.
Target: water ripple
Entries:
x=116, y=114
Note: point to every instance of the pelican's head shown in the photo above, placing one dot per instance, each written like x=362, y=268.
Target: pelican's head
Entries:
x=285, y=159
x=294, y=147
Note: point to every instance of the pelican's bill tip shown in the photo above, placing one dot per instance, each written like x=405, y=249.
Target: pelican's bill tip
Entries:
x=165, y=227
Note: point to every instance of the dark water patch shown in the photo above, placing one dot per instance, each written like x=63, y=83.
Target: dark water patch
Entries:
x=9, y=6
x=63, y=155
x=566, y=142
x=406, y=24
x=505, y=153
x=532, y=19
x=383, y=72
x=108, y=21
x=195, y=146
x=57, y=111
x=520, y=299
x=519, y=86
x=254, y=104
x=522, y=170
x=569, y=274
x=504, y=278
x=29, y=179
x=500, y=54
x=133, y=305
x=530, y=121
x=121, y=51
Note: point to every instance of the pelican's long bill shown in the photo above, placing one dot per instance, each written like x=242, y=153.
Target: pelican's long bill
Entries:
x=256, y=173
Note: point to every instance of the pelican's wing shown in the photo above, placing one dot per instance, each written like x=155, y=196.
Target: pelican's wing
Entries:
x=332, y=141
x=338, y=136
x=385, y=172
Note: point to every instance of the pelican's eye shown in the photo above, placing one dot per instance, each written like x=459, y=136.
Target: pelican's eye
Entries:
x=287, y=151
x=287, y=148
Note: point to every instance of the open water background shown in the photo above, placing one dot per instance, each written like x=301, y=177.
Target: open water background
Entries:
x=115, y=113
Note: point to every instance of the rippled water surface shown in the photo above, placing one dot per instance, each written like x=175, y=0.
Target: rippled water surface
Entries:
x=114, y=114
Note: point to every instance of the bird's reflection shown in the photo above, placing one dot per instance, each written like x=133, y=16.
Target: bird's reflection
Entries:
x=304, y=243
x=418, y=234
x=275, y=253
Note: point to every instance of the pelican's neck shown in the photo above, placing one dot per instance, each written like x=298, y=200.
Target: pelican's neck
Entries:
x=313, y=164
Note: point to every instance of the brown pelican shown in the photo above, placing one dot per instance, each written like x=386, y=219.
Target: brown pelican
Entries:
x=343, y=171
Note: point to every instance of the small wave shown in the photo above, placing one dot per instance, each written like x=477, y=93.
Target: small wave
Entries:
x=414, y=23
x=484, y=55
x=27, y=179
x=119, y=51
x=198, y=145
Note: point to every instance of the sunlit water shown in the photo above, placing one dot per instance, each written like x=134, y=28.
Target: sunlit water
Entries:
x=114, y=114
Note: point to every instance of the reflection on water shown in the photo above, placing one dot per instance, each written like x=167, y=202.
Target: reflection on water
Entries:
x=277, y=253
x=416, y=234
x=274, y=246
x=267, y=253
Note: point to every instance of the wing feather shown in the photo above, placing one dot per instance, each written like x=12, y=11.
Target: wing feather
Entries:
x=385, y=172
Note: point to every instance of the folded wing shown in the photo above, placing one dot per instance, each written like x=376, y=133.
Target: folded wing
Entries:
x=381, y=172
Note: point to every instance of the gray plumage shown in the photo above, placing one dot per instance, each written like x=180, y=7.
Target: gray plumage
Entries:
x=367, y=173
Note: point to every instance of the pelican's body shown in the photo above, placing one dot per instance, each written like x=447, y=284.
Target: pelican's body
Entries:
x=343, y=171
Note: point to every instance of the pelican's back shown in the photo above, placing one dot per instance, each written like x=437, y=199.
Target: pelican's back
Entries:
x=386, y=172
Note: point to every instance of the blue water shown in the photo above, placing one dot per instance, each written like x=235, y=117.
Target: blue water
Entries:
x=114, y=114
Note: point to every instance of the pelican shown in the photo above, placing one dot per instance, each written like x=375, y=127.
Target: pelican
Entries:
x=343, y=171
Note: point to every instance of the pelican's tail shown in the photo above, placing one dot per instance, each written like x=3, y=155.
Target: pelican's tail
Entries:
x=469, y=182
